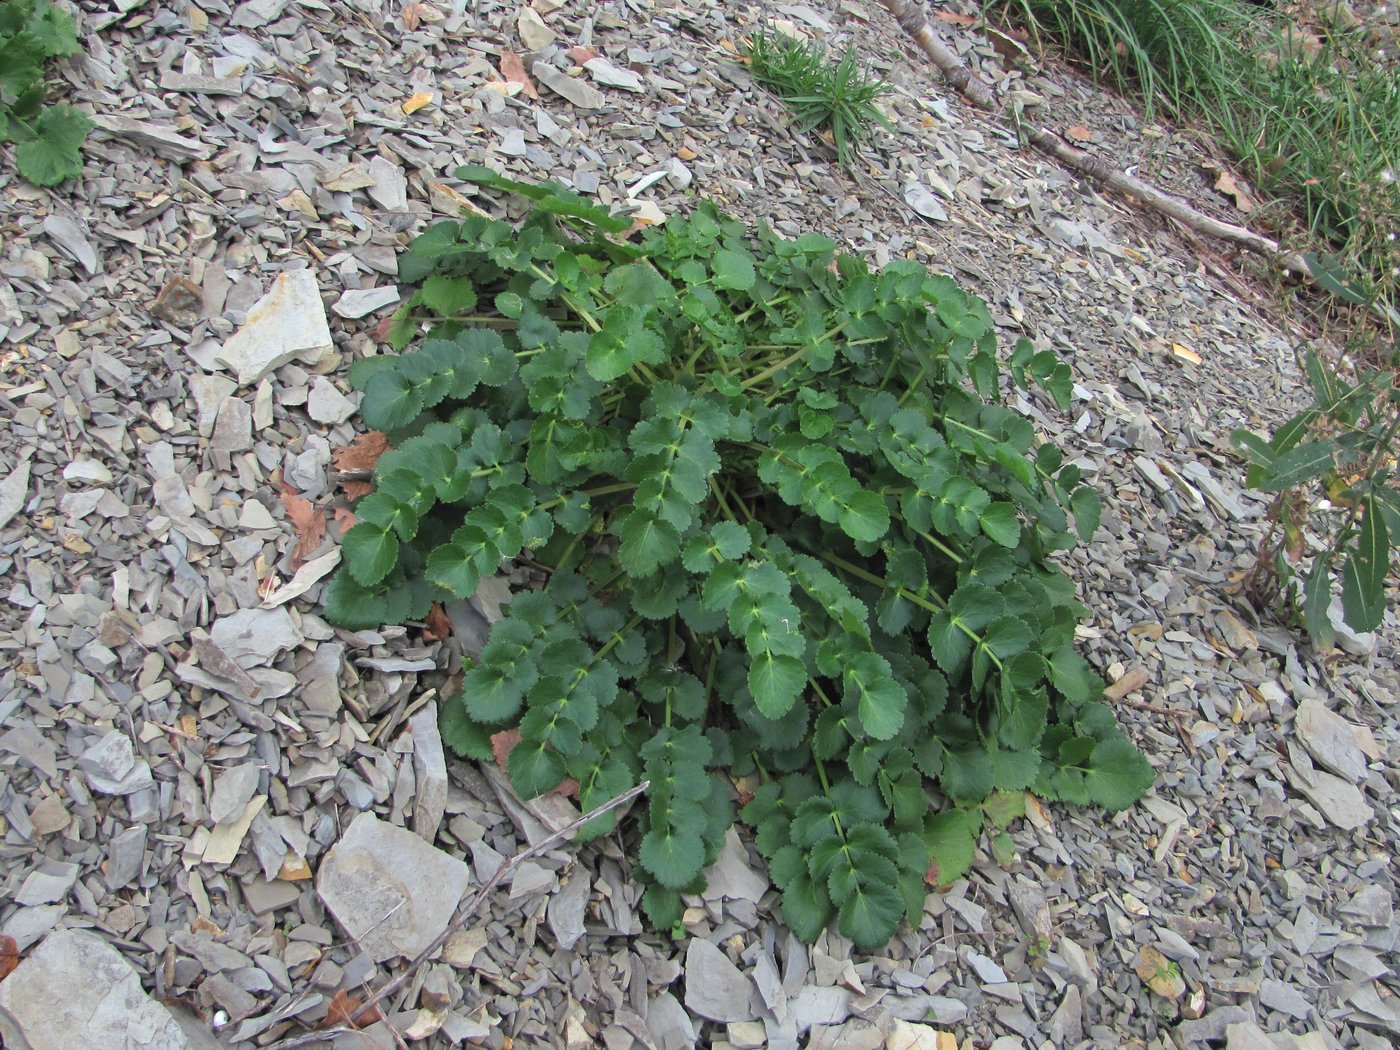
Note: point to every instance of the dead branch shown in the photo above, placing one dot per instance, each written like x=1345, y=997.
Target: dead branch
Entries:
x=912, y=21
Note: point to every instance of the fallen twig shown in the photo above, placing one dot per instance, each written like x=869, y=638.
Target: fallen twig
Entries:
x=464, y=912
x=913, y=22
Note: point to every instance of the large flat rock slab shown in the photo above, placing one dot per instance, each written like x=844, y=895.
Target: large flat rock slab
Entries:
x=75, y=990
x=391, y=891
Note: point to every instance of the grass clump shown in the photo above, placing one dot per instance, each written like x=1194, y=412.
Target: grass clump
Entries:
x=837, y=97
x=1312, y=114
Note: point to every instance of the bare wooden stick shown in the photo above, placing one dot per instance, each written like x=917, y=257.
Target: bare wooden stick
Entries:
x=913, y=22
x=466, y=911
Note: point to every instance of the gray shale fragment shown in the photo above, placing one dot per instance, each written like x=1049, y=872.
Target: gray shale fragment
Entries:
x=164, y=141
x=715, y=988
x=429, y=773
x=1330, y=740
x=232, y=790
x=253, y=637
x=76, y=991
x=373, y=881
x=112, y=767
x=582, y=95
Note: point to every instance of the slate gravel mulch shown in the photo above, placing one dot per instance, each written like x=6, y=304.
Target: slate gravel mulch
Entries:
x=185, y=744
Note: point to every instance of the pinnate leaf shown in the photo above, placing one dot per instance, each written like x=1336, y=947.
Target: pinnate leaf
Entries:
x=391, y=401
x=865, y=517
x=879, y=698
x=534, y=768
x=732, y=270
x=55, y=152
x=672, y=856
x=776, y=682
x=647, y=544
x=370, y=552
x=1117, y=774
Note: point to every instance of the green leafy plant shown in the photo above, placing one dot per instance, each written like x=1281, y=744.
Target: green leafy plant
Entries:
x=48, y=138
x=1333, y=467
x=791, y=546
x=838, y=97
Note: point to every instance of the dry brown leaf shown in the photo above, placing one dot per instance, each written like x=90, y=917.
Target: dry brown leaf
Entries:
x=9, y=955
x=343, y=1006
x=502, y=744
x=953, y=18
x=686, y=153
x=308, y=522
x=416, y=101
x=580, y=55
x=437, y=625
x=412, y=16
x=1078, y=133
x=513, y=69
x=1226, y=184
x=361, y=454
x=1131, y=682
x=344, y=520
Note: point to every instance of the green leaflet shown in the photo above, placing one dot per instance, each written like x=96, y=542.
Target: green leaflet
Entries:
x=770, y=530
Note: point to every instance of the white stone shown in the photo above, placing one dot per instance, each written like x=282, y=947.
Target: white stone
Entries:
x=232, y=791
x=1357, y=643
x=358, y=302
x=76, y=991
x=732, y=876
x=582, y=95
x=815, y=1005
x=905, y=1035
x=429, y=773
x=391, y=891
x=670, y=1026
x=47, y=883
x=1247, y=1036
x=390, y=189
x=209, y=393
x=112, y=767
x=286, y=324
x=327, y=405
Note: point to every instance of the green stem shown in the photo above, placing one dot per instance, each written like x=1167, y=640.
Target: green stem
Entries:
x=793, y=357
x=826, y=789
